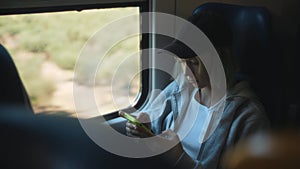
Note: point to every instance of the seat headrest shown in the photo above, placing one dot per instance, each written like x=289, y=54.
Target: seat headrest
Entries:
x=251, y=31
x=253, y=48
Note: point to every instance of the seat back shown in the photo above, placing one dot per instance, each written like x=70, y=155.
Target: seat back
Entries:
x=12, y=91
x=254, y=50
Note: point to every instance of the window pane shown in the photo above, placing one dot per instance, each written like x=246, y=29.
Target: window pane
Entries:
x=45, y=48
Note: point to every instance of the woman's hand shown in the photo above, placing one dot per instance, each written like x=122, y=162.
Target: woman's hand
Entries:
x=170, y=142
x=133, y=130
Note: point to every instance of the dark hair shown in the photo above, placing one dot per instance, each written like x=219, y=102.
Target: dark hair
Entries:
x=212, y=25
x=218, y=32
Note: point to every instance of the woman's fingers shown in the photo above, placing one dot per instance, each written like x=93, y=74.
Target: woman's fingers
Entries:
x=143, y=118
x=132, y=130
x=139, y=131
x=131, y=126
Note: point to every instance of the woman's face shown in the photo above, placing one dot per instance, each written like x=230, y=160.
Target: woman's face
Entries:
x=195, y=72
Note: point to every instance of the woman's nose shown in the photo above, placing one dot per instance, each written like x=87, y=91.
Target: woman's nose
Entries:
x=187, y=71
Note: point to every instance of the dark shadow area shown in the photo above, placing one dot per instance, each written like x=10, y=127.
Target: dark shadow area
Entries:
x=33, y=141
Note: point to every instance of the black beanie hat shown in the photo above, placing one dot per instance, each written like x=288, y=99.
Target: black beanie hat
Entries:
x=213, y=26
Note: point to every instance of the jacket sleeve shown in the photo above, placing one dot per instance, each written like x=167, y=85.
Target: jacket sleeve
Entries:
x=250, y=120
x=177, y=158
x=159, y=108
x=185, y=162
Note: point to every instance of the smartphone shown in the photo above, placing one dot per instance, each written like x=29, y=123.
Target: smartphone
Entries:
x=134, y=121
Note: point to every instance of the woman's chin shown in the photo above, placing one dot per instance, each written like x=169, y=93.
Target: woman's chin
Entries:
x=194, y=83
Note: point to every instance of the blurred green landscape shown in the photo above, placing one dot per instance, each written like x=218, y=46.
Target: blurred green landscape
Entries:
x=58, y=38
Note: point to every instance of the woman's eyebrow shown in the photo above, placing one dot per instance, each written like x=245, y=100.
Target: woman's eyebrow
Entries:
x=180, y=60
x=192, y=61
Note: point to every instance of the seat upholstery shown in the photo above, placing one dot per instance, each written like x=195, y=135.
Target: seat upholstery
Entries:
x=12, y=91
x=254, y=50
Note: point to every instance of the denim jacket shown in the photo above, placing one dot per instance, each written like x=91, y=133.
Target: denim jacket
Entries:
x=243, y=115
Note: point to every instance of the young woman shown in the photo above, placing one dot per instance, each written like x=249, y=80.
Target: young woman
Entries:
x=186, y=112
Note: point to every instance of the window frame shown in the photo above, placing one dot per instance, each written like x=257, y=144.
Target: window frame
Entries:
x=39, y=6
x=45, y=6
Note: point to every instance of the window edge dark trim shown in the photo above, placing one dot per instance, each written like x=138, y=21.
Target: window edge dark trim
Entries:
x=60, y=8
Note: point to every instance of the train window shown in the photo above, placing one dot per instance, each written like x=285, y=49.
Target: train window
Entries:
x=45, y=47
